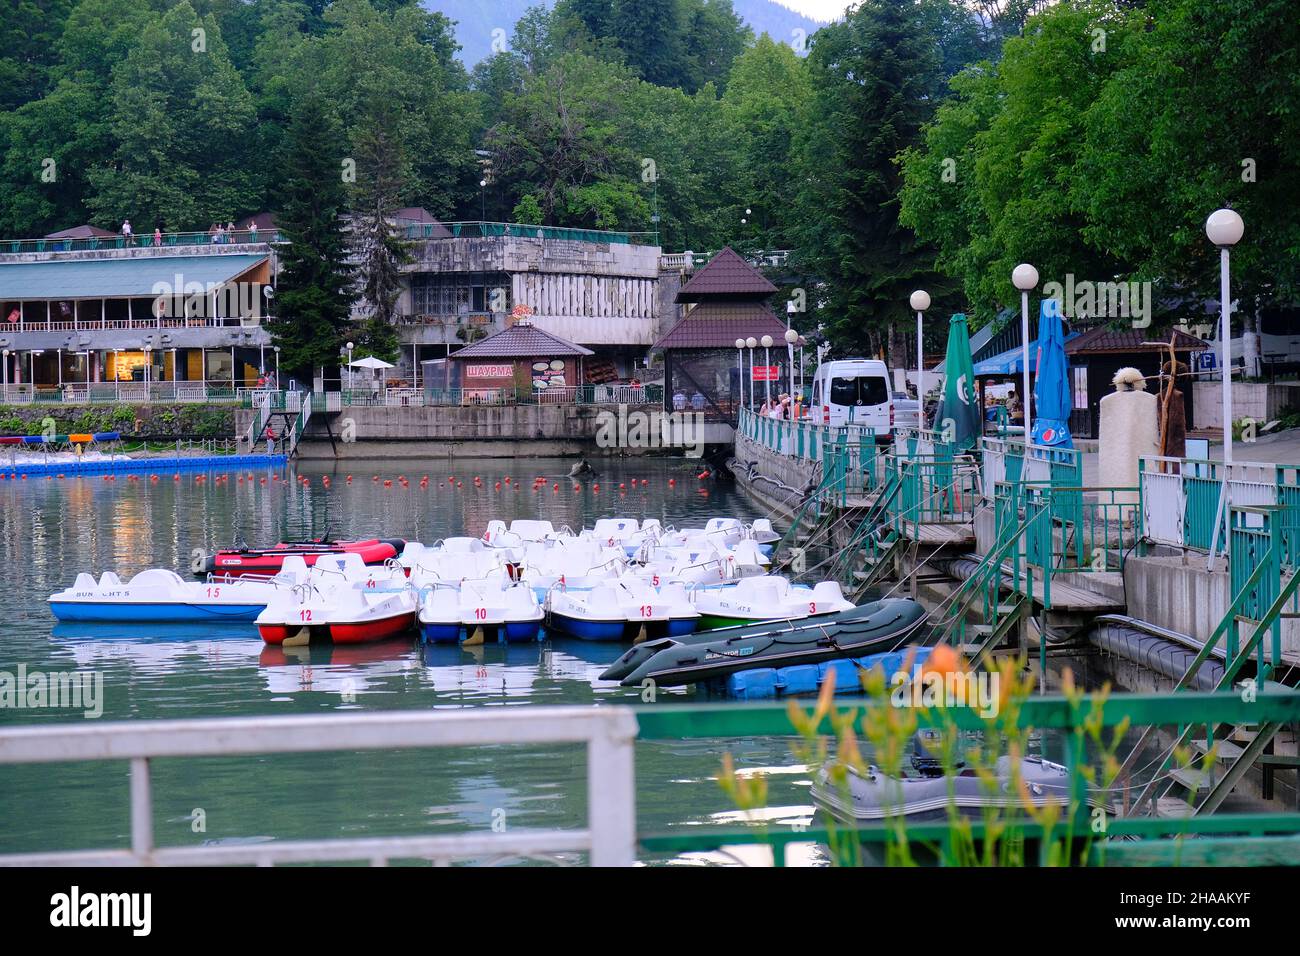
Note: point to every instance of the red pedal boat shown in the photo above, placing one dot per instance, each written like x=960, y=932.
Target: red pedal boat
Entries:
x=239, y=561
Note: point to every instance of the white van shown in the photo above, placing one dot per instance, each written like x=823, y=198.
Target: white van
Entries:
x=854, y=392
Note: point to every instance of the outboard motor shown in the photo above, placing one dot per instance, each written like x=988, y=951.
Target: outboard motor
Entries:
x=927, y=753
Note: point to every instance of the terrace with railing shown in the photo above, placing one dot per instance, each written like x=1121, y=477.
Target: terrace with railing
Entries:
x=168, y=241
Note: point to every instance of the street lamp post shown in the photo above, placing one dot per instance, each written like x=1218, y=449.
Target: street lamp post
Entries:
x=802, y=343
x=740, y=368
x=751, y=343
x=919, y=301
x=148, y=361
x=350, y=346
x=1224, y=228
x=482, y=199
x=767, y=365
x=277, y=367
x=6, y=374
x=791, y=337
x=1024, y=277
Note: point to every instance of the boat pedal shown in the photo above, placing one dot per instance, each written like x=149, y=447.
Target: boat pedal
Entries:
x=301, y=639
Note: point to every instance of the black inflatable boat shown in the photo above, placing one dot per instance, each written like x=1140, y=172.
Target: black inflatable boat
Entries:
x=878, y=626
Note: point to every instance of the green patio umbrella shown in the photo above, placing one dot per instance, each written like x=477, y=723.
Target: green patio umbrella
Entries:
x=957, y=406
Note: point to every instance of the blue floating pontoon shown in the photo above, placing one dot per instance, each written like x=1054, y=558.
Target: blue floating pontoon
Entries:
x=765, y=683
x=143, y=465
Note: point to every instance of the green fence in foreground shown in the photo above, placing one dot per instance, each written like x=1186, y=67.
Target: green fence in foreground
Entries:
x=1220, y=839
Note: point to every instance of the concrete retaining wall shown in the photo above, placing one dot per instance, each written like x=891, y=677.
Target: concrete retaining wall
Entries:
x=485, y=431
x=777, y=481
x=1258, y=400
x=1184, y=597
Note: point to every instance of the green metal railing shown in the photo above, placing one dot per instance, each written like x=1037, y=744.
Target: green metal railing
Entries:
x=142, y=241
x=935, y=490
x=1183, y=505
x=1276, y=831
x=851, y=453
x=492, y=230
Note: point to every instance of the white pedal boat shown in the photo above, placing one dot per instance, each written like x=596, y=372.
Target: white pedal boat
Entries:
x=619, y=610
x=766, y=598
x=480, y=610
x=159, y=595
x=340, y=612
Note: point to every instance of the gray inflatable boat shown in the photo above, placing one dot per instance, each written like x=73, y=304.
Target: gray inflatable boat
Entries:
x=874, y=795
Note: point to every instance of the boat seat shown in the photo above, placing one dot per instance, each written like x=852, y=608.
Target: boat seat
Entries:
x=156, y=576
x=294, y=568
x=109, y=580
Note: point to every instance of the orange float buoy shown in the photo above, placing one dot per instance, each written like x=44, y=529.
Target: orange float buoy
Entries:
x=672, y=482
x=595, y=486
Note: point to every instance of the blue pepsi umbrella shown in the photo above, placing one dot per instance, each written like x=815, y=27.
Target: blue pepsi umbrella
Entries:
x=1051, y=381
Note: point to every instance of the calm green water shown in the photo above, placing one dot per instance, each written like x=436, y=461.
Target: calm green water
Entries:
x=51, y=530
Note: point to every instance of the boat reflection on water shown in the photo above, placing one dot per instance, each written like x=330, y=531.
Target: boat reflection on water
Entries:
x=157, y=648
x=344, y=669
x=557, y=671
x=152, y=632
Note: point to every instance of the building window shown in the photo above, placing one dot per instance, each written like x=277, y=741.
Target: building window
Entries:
x=1080, y=389
x=459, y=293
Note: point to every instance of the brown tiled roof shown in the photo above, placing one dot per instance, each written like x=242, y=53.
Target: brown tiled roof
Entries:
x=521, y=341
x=1105, y=339
x=82, y=232
x=712, y=325
x=426, y=226
x=726, y=274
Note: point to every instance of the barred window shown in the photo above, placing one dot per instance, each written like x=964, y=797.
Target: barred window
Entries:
x=460, y=293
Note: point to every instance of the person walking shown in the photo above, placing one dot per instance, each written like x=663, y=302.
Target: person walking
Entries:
x=269, y=435
x=157, y=236
x=126, y=231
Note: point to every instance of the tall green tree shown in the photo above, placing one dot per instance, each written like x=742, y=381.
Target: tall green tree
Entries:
x=314, y=290
x=766, y=101
x=181, y=118
x=562, y=142
x=383, y=173
x=875, y=78
x=29, y=34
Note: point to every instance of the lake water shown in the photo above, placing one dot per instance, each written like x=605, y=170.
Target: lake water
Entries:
x=52, y=529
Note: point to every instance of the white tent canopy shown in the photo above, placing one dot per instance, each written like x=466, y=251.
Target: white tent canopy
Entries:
x=371, y=362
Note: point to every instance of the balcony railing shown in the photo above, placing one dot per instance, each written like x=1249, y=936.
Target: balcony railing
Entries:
x=141, y=323
x=144, y=241
x=493, y=230
x=568, y=395
x=135, y=393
